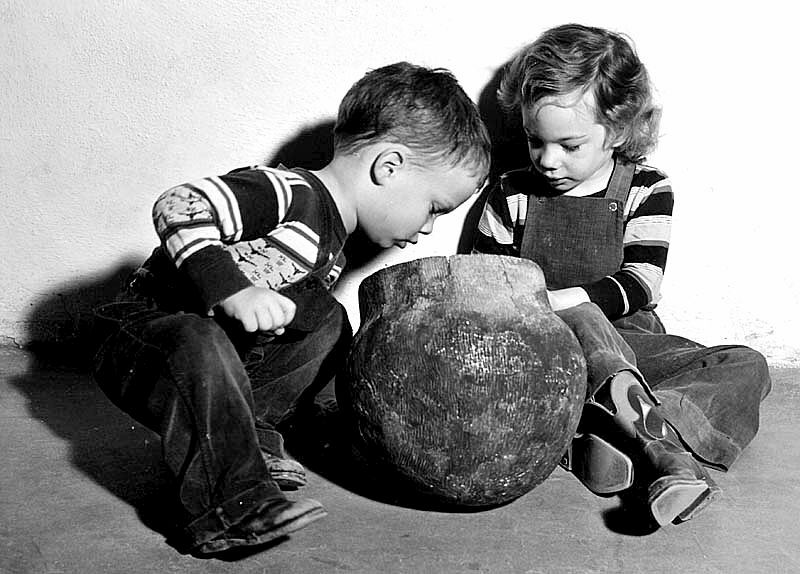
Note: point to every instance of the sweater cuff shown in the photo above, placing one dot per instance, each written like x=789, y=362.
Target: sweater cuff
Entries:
x=606, y=294
x=215, y=276
x=617, y=295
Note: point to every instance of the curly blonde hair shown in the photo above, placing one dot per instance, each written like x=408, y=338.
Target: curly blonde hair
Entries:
x=573, y=57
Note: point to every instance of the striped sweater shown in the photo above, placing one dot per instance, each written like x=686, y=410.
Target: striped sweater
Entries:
x=647, y=221
x=253, y=226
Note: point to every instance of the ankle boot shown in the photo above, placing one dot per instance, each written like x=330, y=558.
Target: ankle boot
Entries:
x=681, y=488
x=625, y=432
x=678, y=484
x=599, y=465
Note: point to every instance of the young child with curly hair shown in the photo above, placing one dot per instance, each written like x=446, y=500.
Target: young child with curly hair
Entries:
x=597, y=220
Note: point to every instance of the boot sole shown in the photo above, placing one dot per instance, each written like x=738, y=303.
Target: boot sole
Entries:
x=700, y=504
x=670, y=498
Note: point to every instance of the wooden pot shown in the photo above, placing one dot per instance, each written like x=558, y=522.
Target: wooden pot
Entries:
x=461, y=378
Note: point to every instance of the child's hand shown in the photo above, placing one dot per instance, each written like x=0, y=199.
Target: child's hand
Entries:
x=566, y=298
x=260, y=309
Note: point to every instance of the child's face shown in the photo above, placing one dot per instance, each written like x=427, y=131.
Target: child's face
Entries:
x=398, y=213
x=566, y=144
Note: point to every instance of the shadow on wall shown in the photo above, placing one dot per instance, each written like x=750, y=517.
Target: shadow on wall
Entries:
x=62, y=326
x=509, y=151
x=311, y=148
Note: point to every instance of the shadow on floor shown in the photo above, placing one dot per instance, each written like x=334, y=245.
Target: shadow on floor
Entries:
x=329, y=451
x=322, y=442
x=105, y=444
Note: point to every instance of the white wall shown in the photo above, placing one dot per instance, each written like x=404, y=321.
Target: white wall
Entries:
x=106, y=103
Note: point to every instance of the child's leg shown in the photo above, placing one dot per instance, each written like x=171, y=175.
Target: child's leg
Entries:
x=621, y=432
x=623, y=412
x=289, y=372
x=605, y=351
x=710, y=395
x=180, y=375
x=295, y=367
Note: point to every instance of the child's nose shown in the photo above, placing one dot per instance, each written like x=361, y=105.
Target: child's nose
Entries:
x=428, y=227
x=549, y=158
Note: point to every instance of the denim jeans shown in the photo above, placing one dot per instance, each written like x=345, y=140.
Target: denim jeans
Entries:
x=214, y=395
x=710, y=395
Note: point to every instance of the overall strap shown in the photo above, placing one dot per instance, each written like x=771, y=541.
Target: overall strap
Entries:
x=621, y=178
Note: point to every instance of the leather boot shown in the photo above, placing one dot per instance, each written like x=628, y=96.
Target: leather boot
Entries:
x=622, y=431
x=599, y=465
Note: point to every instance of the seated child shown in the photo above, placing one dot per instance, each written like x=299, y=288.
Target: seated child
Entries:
x=597, y=221
x=229, y=323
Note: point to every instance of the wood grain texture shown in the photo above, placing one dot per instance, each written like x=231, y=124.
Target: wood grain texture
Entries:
x=461, y=378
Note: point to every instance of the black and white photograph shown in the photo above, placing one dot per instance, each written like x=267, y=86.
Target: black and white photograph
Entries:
x=399, y=288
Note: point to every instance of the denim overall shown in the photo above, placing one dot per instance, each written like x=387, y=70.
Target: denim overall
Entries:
x=213, y=392
x=710, y=395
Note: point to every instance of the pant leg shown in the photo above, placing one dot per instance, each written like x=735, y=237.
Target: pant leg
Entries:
x=642, y=321
x=605, y=351
x=710, y=395
x=180, y=375
x=293, y=369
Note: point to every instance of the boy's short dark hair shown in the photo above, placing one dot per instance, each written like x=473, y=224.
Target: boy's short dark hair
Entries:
x=573, y=57
x=422, y=108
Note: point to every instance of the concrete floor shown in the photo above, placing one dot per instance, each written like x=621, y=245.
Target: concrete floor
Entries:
x=81, y=492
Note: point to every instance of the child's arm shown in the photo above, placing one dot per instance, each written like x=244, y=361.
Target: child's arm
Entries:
x=648, y=215
x=566, y=298
x=194, y=220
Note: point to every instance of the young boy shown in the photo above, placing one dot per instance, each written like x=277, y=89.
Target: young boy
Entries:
x=597, y=220
x=230, y=323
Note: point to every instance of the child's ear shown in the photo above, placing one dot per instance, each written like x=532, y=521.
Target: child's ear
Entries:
x=387, y=165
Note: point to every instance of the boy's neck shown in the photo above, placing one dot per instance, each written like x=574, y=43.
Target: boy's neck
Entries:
x=341, y=178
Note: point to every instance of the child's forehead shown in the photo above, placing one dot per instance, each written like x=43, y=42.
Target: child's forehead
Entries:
x=569, y=108
x=581, y=102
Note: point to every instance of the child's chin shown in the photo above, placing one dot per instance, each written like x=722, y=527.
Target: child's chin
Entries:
x=384, y=243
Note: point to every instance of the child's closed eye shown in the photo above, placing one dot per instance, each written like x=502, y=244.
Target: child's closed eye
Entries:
x=534, y=142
